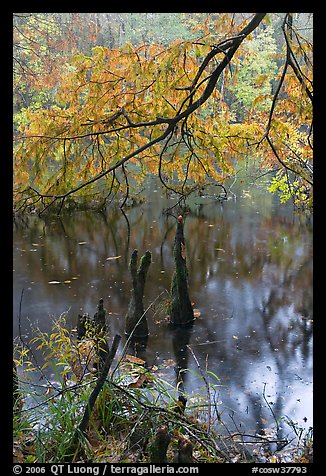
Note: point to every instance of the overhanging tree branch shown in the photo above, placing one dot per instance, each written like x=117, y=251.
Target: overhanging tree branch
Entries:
x=228, y=47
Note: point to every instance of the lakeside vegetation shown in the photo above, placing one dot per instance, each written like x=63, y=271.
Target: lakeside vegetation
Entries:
x=136, y=409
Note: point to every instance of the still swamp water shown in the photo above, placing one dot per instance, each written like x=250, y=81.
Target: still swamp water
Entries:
x=250, y=276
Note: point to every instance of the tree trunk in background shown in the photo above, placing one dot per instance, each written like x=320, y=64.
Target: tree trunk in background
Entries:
x=182, y=313
x=136, y=322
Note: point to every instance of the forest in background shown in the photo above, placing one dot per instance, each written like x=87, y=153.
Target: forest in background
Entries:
x=101, y=100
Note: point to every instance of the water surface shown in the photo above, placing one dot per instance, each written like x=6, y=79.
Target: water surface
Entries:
x=250, y=277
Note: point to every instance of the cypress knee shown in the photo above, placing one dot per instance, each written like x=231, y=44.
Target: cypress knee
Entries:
x=159, y=445
x=83, y=325
x=184, y=452
x=99, y=318
x=100, y=335
x=181, y=311
x=136, y=322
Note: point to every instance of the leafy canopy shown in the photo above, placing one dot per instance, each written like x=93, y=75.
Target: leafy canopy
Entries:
x=116, y=115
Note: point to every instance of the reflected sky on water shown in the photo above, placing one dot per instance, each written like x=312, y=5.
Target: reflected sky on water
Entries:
x=250, y=277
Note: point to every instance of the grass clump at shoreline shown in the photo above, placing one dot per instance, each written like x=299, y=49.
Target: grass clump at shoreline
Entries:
x=136, y=416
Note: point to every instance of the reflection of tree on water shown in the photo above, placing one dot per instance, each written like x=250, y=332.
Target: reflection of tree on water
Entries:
x=283, y=334
x=180, y=340
x=137, y=346
x=284, y=346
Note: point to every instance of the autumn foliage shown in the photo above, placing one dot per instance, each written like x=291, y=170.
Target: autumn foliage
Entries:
x=99, y=122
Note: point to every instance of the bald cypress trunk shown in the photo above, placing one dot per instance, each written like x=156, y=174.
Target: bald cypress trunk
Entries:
x=136, y=322
x=181, y=312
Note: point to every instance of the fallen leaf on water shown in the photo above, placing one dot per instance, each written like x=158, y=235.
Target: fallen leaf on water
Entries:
x=169, y=363
x=82, y=242
x=133, y=359
x=54, y=282
x=197, y=313
x=141, y=381
x=113, y=257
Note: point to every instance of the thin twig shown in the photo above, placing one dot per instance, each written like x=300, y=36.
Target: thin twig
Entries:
x=207, y=387
x=270, y=408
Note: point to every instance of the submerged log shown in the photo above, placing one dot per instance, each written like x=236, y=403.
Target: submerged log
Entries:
x=136, y=322
x=181, y=311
